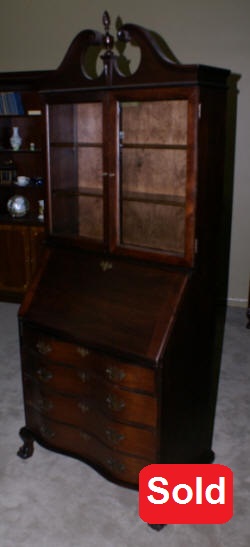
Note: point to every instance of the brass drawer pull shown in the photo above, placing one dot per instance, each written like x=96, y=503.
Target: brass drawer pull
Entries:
x=40, y=404
x=113, y=436
x=115, y=373
x=44, y=375
x=44, y=404
x=83, y=407
x=115, y=465
x=83, y=376
x=82, y=351
x=114, y=403
x=43, y=348
x=85, y=436
x=46, y=432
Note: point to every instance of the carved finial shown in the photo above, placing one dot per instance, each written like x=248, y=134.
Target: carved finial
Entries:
x=108, y=40
x=106, y=21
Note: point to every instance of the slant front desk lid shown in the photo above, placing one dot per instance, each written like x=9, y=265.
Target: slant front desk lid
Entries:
x=116, y=305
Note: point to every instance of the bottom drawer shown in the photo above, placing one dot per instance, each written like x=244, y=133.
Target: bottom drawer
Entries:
x=79, y=443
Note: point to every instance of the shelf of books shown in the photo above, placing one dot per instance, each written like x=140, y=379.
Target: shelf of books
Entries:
x=11, y=104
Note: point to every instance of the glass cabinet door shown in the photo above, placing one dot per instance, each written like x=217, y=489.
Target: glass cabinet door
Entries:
x=119, y=175
x=76, y=170
x=153, y=174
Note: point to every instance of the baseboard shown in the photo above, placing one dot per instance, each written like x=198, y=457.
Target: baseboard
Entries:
x=237, y=302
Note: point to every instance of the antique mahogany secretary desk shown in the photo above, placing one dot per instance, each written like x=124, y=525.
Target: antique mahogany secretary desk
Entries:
x=117, y=328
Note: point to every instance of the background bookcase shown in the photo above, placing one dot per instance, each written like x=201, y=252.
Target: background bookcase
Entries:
x=20, y=238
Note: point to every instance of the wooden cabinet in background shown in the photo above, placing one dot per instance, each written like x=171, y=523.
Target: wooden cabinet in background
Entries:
x=20, y=106
x=21, y=249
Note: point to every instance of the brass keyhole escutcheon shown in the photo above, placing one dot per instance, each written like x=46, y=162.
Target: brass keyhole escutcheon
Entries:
x=106, y=265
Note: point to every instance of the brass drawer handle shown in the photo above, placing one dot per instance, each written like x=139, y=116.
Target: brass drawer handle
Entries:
x=114, y=373
x=115, y=465
x=83, y=407
x=113, y=436
x=114, y=403
x=43, y=348
x=44, y=404
x=82, y=351
x=83, y=376
x=85, y=436
x=44, y=375
x=46, y=432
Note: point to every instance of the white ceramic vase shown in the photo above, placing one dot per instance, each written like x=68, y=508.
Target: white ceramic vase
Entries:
x=15, y=139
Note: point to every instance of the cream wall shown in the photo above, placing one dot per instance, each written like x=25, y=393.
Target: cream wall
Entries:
x=35, y=35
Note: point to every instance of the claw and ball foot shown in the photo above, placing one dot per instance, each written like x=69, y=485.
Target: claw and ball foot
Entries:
x=26, y=450
x=157, y=527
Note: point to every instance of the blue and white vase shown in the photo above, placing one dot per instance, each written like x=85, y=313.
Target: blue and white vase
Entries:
x=15, y=139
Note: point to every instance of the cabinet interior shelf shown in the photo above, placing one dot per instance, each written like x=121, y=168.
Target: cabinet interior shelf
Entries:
x=7, y=186
x=71, y=192
x=13, y=116
x=20, y=151
x=140, y=146
x=147, y=197
x=76, y=144
x=29, y=219
x=154, y=198
x=153, y=146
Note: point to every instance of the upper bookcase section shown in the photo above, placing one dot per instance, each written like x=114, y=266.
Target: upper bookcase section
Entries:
x=97, y=59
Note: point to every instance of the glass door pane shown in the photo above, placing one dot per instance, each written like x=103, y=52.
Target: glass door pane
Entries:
x=153, y=173
x=76, y=153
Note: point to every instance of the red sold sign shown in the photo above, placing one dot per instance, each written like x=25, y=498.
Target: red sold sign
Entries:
x=186, y=494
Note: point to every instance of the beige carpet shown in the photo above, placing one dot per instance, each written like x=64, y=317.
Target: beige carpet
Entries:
x=54, y=501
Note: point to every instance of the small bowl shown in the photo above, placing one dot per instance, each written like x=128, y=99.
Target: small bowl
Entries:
x=22, y=181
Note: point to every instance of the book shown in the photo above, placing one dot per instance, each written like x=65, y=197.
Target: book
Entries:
x=11, y=103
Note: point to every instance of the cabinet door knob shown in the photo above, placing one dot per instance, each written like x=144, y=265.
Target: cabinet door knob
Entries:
x=114, y=403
